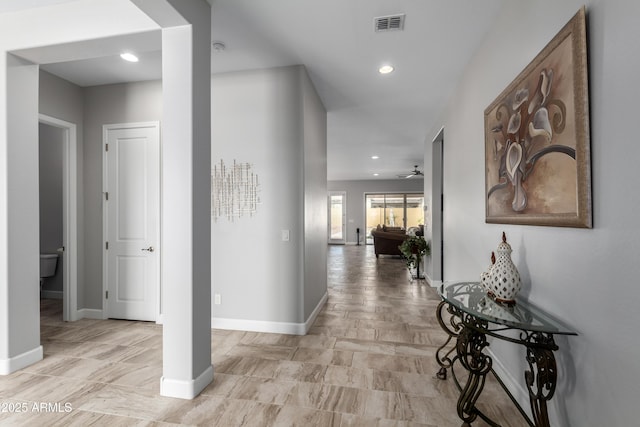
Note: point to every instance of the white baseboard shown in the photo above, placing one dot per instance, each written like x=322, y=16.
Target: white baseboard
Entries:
x=186, y=389
x=20, y=361
x=90, y=313
x=314, y=313
x=288, y=328
x=433, y=283
x=515, y=387
x=51, y=294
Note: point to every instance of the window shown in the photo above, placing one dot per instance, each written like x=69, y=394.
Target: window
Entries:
x=394, y=210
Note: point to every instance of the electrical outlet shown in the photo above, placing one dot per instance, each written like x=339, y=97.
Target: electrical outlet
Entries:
x=216, y=299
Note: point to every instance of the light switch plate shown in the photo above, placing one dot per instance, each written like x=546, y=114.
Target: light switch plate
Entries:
x=285, y=235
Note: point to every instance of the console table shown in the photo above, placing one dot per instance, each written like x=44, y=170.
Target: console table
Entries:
x=474, y=316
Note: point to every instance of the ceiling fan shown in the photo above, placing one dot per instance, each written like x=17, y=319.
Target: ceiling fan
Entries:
x=413, y=173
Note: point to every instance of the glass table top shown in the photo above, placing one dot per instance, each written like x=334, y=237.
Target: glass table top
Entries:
x=472, y=298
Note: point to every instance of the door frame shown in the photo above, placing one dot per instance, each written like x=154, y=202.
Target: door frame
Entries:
x=437, y=212
x=342, y=241
x=105, y=229
x=69, y=215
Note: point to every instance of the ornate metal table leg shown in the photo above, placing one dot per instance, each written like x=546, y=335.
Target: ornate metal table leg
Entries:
x=469, y=349
x=443, y=358
x=542, y=375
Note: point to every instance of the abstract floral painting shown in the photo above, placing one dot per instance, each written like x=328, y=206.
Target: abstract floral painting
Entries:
x=537, y=139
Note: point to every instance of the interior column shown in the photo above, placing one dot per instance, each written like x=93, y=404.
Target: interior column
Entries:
x=19, y=217
x=186, y=223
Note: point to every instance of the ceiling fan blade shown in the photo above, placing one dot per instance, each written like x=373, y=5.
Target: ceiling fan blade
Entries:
x=414, y=172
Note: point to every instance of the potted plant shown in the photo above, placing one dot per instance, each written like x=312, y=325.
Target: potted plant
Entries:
x=413, y=250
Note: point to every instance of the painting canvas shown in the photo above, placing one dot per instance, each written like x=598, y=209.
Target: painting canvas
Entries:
x=537, y=139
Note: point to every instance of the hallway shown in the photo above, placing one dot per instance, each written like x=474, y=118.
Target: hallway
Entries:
x=367, y=361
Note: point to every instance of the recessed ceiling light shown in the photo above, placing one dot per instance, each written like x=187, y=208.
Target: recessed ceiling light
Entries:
x=375, y=157
x=385, y=69
x=128, y=56
x=376, y=174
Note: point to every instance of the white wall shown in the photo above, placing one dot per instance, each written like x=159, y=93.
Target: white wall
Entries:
x=19, y=218
x=587, y=278
x=315, y=195
x=356, y=191
x=259, y=117
x=107, y=104
x=141, y=101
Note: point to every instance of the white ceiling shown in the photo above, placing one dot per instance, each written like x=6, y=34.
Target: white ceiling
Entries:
x=15, y=5
x=368, y=113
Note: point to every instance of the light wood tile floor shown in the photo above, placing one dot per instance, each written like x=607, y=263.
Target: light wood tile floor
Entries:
x=367, y=361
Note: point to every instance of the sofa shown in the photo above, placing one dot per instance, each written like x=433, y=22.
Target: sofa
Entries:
x=387, y=239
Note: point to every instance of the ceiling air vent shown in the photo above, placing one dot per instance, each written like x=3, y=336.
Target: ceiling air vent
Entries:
x=389, y=23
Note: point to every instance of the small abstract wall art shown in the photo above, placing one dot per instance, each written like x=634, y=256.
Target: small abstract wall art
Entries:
x=537, y=146
x=234, y=191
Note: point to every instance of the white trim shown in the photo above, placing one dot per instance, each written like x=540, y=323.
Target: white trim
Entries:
x=288, y=328
x=515, y=387
x=70, y=216
x=437, y=207
x=258, y=326
x=90, y=313
x=312, y=318
x=105, y=229
x=433, y=283
x=186, y=389
x=51, y=294
x=7, y=366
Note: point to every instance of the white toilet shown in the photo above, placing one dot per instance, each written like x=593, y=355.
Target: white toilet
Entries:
x=48, y=263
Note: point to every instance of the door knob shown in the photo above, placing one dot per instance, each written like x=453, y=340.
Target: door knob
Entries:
x=150, y=249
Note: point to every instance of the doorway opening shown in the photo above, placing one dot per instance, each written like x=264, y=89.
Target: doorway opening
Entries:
x=337, y=217
x=58, y=211
x=437, y=247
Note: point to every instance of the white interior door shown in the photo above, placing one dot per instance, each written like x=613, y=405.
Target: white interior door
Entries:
x=132, y=220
